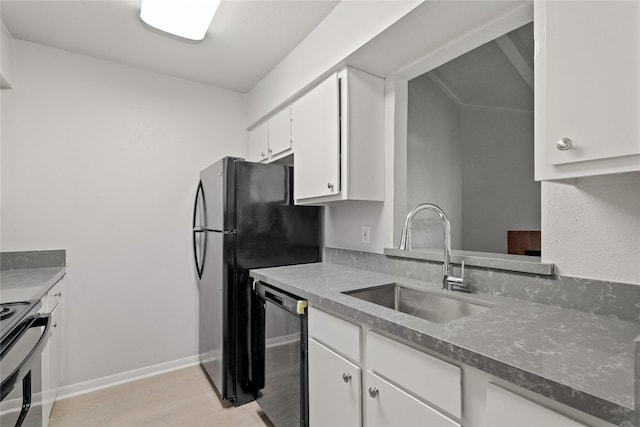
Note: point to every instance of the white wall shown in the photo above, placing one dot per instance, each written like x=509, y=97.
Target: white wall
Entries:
x=434, y=162
x=103, y=160
x=498, y=190
x=589, y=230
x=348, y=27
x=6, y=57
x=591, y=227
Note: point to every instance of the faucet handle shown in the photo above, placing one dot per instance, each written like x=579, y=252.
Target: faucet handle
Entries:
x=457, y=283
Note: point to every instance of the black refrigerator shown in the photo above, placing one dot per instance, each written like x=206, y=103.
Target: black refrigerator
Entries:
x=244, y=217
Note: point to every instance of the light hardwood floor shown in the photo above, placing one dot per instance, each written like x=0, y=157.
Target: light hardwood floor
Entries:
x=182, y=398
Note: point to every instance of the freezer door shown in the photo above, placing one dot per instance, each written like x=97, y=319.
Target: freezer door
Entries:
x=213, y=183
x=271, y=231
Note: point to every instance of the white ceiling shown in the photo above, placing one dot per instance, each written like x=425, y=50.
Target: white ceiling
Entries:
x=247, y=38
x=487, y=77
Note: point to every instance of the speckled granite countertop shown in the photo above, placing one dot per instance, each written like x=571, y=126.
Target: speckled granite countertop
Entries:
x=29, y=283
x=580, y=359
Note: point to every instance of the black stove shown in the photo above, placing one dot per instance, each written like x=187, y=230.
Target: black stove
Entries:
x=6, y=312
x=11, y=313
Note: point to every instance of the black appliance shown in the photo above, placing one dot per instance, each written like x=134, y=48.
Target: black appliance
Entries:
x=24, y=334
x=244, y=217
x=280, y=348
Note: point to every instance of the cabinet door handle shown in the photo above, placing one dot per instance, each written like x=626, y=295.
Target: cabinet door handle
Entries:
x=373, y=392
x=330, y=186
x=346, y=377
x=564, y=144
x=59, y=294
x=263, y=154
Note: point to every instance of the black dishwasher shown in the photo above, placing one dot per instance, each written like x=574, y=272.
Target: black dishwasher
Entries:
x=280, y=355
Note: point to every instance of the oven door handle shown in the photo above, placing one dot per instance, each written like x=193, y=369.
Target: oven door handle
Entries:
x=38, y=321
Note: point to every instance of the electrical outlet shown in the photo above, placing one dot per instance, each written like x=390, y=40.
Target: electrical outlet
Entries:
x=366, y=234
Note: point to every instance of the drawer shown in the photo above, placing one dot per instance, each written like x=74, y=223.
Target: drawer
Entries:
x=340, y=335
x=390, y=406
x=507, y=409
x=434, y=380
x=54, y=296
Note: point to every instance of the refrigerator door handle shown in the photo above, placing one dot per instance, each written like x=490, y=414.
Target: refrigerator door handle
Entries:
x=197, y=229
x=200, y=229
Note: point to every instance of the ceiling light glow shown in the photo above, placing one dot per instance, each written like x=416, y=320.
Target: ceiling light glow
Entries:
x=189, y=19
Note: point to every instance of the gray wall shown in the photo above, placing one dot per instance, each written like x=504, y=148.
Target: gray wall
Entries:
x=433, y=161
x=475, y=163
x=498, y=190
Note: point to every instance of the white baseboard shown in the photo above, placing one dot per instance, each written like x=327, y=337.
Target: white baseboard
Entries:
x=125, y=377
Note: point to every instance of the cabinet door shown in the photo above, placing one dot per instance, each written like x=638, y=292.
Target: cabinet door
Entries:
x=334, y=389
x=506, y=409
x=316, y=134
x=386, y=405
x=55, y=355
x=591, y=79
x=45, y=378
x=434, y=380
x=258, y=143
x=280, y=132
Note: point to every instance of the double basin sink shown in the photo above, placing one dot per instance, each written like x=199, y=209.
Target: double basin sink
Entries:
x=425, y=305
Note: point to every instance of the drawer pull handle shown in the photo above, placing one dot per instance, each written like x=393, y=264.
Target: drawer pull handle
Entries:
x=373, y=392
x=346, y=377
x=59, y=294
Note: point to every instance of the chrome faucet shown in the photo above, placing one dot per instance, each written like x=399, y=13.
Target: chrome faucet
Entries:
x=449, y=282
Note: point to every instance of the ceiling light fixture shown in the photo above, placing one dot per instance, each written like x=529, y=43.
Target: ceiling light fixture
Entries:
x=189, y=19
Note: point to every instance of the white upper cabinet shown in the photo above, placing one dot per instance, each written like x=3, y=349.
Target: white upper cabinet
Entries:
x=317, y=134
x=271, y=140
x=280, y=132
x=338, y=134
x=587, y=88
x=258, y=143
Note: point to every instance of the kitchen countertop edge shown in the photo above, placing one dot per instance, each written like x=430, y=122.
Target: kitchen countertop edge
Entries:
x=34, y=283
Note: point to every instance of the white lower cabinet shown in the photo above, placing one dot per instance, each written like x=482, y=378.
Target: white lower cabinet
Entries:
x=337, y=397
x=432, y=379
x=334, y=389
x=388, y=405
x=52, y=354
x=507, y=409
x=358, y=377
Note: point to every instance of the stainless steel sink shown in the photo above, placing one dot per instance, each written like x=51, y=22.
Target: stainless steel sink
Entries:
x=428, y=306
